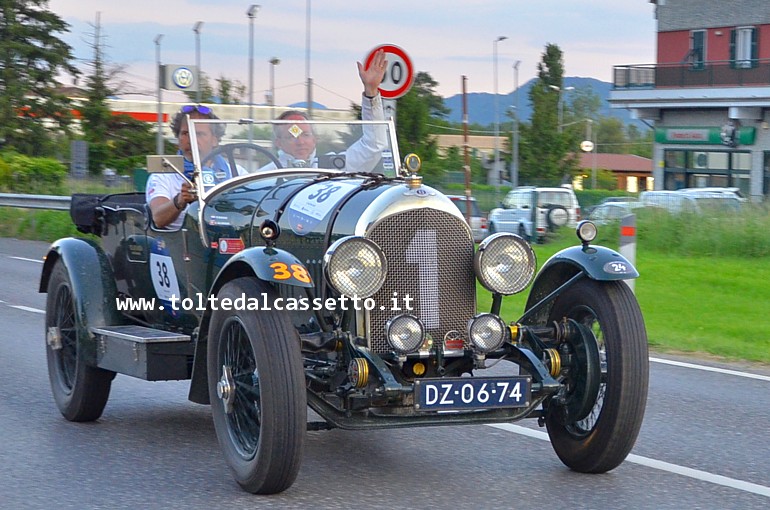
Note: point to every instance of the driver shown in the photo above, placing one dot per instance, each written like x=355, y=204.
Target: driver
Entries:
x=295, y=143
x=168, y=194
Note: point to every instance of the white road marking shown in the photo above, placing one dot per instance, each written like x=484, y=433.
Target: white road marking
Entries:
x=696, y=474
x=27, y=308
x=26, y=259
x=22, y=307
x=711, y=369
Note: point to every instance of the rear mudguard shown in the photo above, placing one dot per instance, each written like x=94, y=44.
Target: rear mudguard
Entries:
x=267, y=263
x=93, y=288
x=595, y=262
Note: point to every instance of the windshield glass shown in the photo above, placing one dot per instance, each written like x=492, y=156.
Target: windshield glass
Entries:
x=245, y=149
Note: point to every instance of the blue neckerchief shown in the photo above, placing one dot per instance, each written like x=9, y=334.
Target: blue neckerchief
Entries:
x=189, y=167
x=220, y=165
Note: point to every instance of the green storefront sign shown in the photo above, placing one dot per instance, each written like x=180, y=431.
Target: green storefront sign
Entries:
x=702, y=135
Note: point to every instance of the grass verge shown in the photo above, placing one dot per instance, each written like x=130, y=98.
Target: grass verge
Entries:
x=698, y=292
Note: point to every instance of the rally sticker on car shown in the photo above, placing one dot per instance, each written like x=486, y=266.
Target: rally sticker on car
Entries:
x=163, y=274
x=617, y=267
x=312, y=204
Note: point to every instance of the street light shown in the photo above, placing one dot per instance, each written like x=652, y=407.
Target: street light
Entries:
x=273, y=62
x=159, y=132
x=561, y=103
x=197, y=30
x=496, y=171
x=515, y=159
x=251, y=13
x=308, y=79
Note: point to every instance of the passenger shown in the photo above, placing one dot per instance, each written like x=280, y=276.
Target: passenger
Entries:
x=168, y=194
x=295, y=144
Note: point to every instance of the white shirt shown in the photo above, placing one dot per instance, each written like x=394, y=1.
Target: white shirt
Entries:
x=166, y=185
x=364, y=154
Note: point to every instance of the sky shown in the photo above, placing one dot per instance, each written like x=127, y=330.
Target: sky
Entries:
x=448, y=39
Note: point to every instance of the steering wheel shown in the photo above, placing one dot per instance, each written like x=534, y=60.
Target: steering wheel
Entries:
x=228, y=152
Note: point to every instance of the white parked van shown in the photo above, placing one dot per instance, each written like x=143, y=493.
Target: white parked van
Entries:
x=533, y=212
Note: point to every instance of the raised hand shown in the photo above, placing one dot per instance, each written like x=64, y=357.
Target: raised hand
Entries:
x=373, y=75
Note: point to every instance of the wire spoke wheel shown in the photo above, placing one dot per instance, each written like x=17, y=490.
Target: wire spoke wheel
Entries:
x=243, y=417
x=601, y=439
x=80, y=390
x=257, y=390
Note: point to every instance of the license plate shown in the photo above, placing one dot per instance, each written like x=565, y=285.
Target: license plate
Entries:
x=464, y=393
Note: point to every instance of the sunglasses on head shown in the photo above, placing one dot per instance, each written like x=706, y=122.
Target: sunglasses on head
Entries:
x=204, y=110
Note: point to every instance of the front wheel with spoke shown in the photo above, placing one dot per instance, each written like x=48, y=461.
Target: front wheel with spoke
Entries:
x=604, y=435
x=257, y=390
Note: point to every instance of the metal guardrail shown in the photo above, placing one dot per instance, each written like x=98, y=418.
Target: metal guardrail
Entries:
x=50, y=202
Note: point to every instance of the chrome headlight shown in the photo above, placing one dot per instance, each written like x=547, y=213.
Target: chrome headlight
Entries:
x=405, y=333
x=586, y=231
x=505, y=263
x=355, y=266
x=486, y=332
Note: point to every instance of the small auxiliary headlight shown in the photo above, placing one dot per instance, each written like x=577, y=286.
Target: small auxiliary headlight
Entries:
x=486, y=332
x=505, y=263
x=355, y=266
x=405, y=333
x=586, y=231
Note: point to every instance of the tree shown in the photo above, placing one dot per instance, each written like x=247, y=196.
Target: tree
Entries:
x=414, y=112
x=544, y=148
x=227, y=91
x=116, y=141
x=31, y=56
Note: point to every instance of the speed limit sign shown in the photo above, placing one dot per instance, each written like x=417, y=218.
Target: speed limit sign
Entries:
x=400, y=73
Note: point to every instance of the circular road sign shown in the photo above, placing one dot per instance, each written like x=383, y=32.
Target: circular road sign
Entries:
x=400, y=73
x=587, y=146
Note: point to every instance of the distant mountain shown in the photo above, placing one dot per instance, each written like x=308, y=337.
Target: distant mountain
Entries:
x=481, y=106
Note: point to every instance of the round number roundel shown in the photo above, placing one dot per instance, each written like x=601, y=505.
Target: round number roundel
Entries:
x=400, y=73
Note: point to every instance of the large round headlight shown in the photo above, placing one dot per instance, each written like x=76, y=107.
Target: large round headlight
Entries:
x=405, y=333
x=505, y=263
x=355, y=266
x=486, y=332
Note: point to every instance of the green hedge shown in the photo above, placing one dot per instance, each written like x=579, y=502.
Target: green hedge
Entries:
x=36, y=176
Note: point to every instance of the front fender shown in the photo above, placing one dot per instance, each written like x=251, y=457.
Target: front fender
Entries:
x=266, y=263
x=93, y=287
x=596, y=262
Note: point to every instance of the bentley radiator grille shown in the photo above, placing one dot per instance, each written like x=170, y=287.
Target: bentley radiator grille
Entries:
x=430, y=259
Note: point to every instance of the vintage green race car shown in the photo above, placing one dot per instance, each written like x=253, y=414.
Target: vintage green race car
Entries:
x=347, y=287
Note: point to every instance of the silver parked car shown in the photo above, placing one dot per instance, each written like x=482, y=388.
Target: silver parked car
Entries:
x=478, y=221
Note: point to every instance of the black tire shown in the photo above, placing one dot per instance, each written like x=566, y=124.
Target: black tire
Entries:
x=557, y=216
x=261, y=416
x=602, y=440
x=80, y=391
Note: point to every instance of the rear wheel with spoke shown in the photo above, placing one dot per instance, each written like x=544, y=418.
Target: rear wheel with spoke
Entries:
x=257, y=390
x=80, y=391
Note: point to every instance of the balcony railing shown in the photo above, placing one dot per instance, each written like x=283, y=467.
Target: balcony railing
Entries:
x=715, y=73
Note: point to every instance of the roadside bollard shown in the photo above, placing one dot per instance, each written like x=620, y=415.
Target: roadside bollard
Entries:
x=628, y=242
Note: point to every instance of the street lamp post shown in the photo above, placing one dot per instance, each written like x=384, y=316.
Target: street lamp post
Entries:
x=159, y=132
x=251, y=13
x=308, y=79
x=273, y=62
x=560, y=104
x=197, y=30
x=515, y=139
x=496, y=171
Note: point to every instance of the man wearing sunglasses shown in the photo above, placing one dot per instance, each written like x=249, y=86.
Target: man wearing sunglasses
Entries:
x=295, y=143
x=168, y=193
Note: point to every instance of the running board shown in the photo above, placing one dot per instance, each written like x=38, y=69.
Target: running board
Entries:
x=145, y=353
